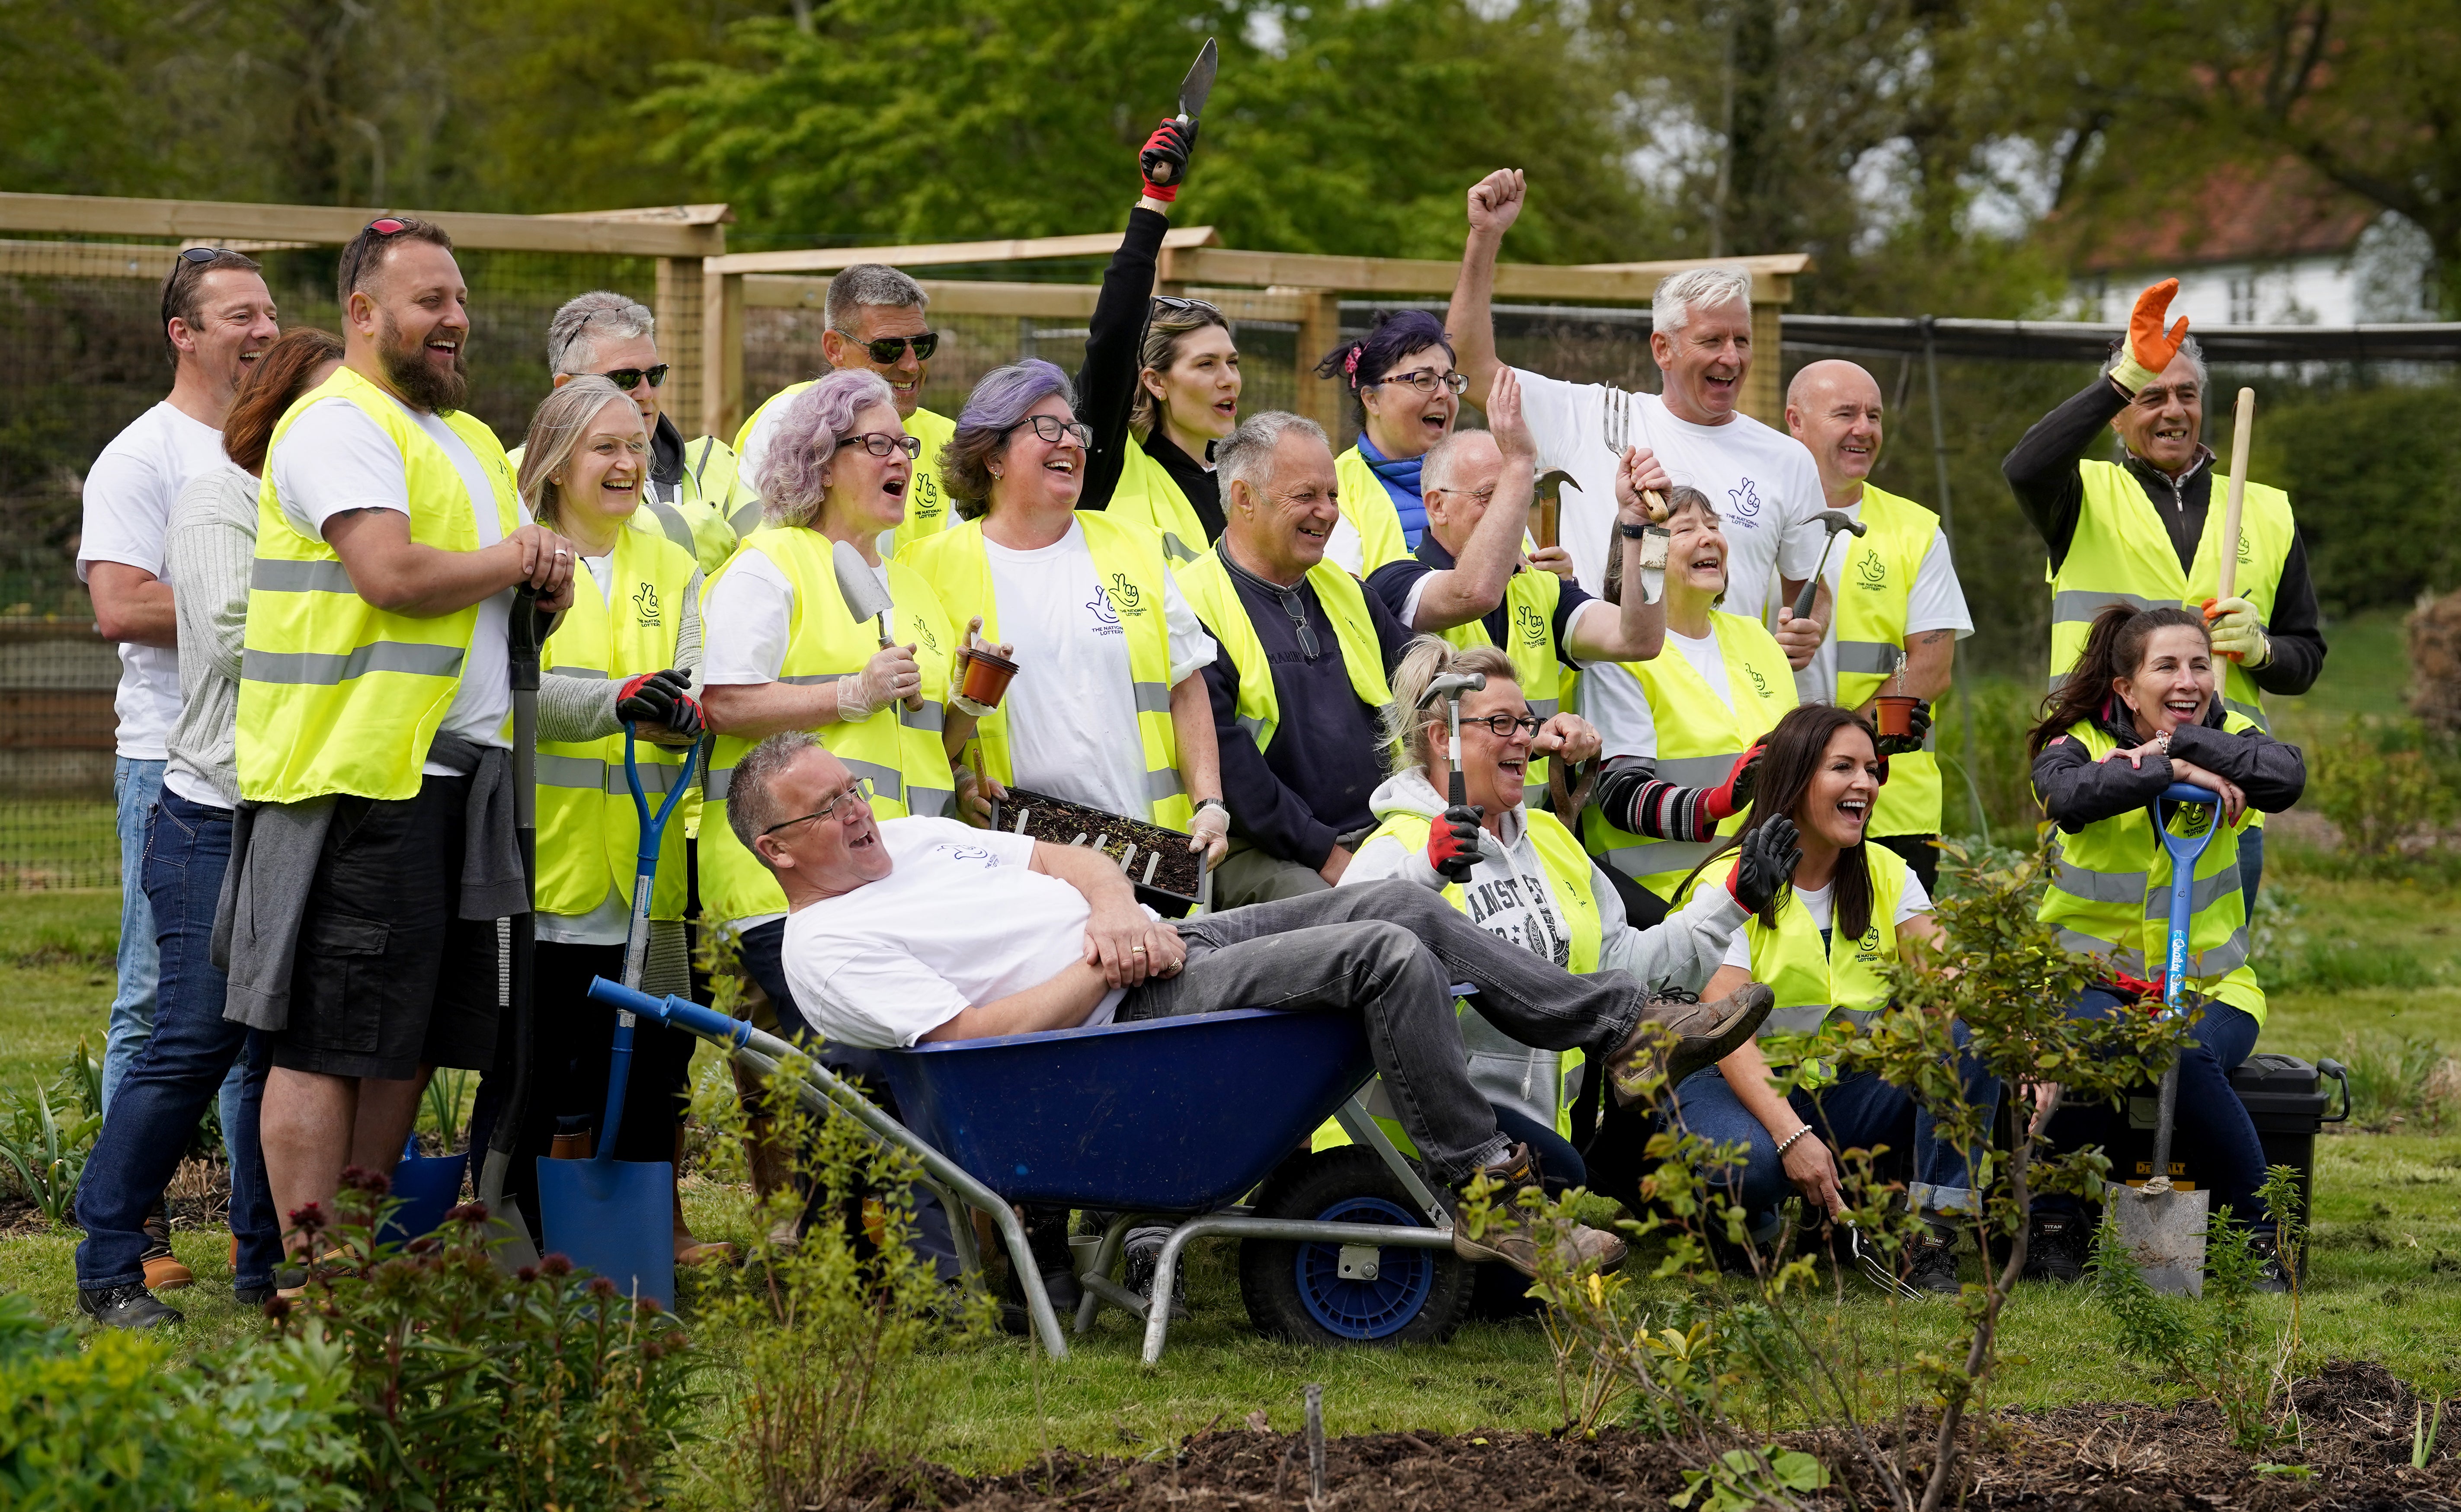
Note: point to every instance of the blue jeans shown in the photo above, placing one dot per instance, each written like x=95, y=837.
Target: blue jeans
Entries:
x=136, y=786
x=1559, y=1165
x=1858, y=1111
x=2210, y=1121
x=189, y=1053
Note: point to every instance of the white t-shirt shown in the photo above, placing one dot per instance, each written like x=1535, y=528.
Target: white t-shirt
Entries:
x=748, y=620
x=1936, y=603
x=1763, y=483
x=335, y=457
x=1072, y=711
x=958, y=922
x=1612, y=698
x=128, y=496
x=1820, y=903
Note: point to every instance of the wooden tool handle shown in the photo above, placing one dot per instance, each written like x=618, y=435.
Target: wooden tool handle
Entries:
x=2243, y=433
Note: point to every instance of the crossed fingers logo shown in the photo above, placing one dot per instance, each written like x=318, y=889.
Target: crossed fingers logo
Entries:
x=1871, y=571
x=645, y=605
x=1125, y=596
x=1534, y=624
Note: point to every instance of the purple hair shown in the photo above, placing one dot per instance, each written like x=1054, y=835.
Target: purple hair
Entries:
x=1392, y=335
x=806, y=436
x=994, y=409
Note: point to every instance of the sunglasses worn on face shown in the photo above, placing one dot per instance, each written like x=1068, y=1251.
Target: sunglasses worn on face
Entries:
x=1051, y=428
x=886, y=349
x=626, y=377
x=861, y=792
x=1426, y=379
x=880, y=443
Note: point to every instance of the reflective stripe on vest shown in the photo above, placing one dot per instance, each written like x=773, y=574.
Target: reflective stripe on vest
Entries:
x=1209, y=589
x=2122, y=553
x=588, y=835
x=1131, y=572
x=2109, y=895
x=1875, y=587
x=1369, y=508
x=335, y=694
x=899, y=750
x=1150, y=495
x=1844, y=978
x=1530, y=600
x=1698, y=739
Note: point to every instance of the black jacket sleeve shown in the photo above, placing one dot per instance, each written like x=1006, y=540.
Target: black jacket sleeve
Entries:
x=1262, y=810
x=2043, y=468
x=2077, y=790
x=2272, y=773
x=2297, y=632
x=1106, y=385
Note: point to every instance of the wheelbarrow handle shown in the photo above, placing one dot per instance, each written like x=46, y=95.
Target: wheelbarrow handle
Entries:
x=679, y=1013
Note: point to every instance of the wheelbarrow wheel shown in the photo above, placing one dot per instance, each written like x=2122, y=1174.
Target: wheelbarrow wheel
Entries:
x=1295, y=1290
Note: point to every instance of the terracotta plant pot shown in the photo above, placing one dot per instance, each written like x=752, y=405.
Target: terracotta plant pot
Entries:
x=986, y=676
x=1897, y=714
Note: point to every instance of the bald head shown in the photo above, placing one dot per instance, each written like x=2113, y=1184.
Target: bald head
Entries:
x=1833, y=409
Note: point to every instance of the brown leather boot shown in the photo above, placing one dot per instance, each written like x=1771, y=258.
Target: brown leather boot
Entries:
x=1514, y=1234
x=1679, y=1035
x=165, y=1271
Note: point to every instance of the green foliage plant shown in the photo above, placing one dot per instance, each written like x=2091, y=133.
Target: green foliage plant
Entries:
x=45, y=1153
x=2381, y=784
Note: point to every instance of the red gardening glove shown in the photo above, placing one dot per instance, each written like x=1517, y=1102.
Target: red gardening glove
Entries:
x=1452, y=843
x=1733, y=795
x=659, y=698
x=1164, y=158
x=2149, y=346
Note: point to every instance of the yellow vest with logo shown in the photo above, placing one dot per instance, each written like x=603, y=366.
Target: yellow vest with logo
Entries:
x=1845, y=978
x=589, y=834
x=2109, y=896
x=336, y=696
x=1129, y=567
x=2121, y=553
x=1874, y=590
x=1699, y=738
x=1148, y=495
x=1567, y=868
x=1215, y=598
x=697, y=518
x=926, y=501
x=897, y=747
x=1369, y=510
x=1530, y=600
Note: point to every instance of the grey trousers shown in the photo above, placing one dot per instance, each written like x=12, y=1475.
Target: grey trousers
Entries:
x=1390, y=953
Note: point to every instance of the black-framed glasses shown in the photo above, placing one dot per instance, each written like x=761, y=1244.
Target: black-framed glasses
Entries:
x=1426, y=380
x=626, y=377
x=880, y=443
x=862, y=786
x=887, y=348
x=1051, y=428
x=1502, y=726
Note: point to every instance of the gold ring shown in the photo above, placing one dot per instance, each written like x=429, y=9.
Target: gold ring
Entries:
x=1137, y=950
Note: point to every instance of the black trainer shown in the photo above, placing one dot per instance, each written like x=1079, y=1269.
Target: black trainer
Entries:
x=2272, y=1272
x=252, y=1296
x=2055, y=1248
x=1931, y=1261
x=1144, y=1251
x=127, y=1306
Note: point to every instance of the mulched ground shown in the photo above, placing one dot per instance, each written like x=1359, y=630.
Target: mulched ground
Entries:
x=2355, y=1441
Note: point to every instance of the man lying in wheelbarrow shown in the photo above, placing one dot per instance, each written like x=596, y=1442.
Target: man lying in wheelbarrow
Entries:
x=919, y=929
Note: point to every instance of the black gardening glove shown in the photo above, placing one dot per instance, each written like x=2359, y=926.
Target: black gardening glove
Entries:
x=1904, y=744
x=1452, y=843
x=1764, y=862
x=660, y=698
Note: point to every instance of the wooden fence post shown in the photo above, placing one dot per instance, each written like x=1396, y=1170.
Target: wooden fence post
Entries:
x=1319, y=399
x=680, y=341
x=722, y=331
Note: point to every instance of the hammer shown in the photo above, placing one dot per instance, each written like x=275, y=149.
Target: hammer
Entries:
x=1449, y=687
x=1835, y=520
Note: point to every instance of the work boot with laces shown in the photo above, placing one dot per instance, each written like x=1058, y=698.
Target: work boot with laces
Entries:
x=1514, y=1234
x=1931, y=1260
x=2055, y=1248
x=165, y=1271
x=127, y=1306
x=1679, y=1035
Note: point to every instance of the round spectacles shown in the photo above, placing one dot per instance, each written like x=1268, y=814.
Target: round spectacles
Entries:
x=1051, y=428
x=1426, y=380
x=861, y=791
x=880, y=443
x=1502, y=726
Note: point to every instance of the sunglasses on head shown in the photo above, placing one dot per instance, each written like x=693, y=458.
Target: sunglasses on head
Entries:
x=200, y=255
x=387, y=225
x=1175, y=303
x=626, y=377
x=886, y=349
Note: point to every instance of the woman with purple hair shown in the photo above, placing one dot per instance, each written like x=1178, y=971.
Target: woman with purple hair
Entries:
x=1407, y=396
x=786, y=653
x=1108, y=707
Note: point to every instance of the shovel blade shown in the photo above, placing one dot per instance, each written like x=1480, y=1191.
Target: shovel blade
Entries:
x=428, y=1185
x=615, y=1218
x=2165, y=1234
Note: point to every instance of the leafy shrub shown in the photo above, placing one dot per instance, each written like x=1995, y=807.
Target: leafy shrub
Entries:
x=2381, y=782
x=2376, y=519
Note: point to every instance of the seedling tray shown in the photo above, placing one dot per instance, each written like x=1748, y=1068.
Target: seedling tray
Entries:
x=1169, y=877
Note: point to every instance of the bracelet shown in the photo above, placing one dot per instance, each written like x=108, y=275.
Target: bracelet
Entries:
x=1630, y=532
x=1798, y=1134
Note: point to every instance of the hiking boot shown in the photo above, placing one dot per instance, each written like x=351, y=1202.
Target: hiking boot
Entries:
x=163, y=1269
x=1679, y=1035
x=1144, y=1251
x=2272, y=1271
x=2055, y=1248
x=127, y=1306
x=251, y=1296
x=1931, y=1261
x=1513, y=1232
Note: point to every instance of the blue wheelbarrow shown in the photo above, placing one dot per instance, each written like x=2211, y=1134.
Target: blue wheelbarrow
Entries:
x=1173, y=1121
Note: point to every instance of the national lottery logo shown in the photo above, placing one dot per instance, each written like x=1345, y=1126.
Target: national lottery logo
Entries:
x=1745, y=504
x=1126, y=597
x=1533, y=625
x=1760, y=684
x=1871, y=572
x=645, y=606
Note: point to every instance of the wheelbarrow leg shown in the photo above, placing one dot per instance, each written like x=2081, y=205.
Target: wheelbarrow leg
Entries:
x=1165, y=1274
x=961, y=1234
x=1105, y=1256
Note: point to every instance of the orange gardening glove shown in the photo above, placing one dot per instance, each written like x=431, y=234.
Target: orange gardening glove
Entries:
x=2150, y=348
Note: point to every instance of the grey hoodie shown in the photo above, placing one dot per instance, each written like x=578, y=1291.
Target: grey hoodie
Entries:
x=1507, y=896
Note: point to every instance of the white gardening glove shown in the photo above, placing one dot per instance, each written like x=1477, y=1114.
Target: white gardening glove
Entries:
x=888, y=676
x=1210, y=832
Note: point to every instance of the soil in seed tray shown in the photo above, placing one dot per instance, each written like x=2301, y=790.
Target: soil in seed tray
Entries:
x=1059, y=821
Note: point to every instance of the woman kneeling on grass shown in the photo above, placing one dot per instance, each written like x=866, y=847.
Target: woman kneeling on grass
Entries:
x=2138, y=713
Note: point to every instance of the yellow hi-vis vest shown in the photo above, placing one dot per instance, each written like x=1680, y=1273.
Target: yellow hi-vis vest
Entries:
x=1846, y=978
x=1369, y=510
x=336, y=696
x=1567, y=868
x=695, y=520
x=926, y=501
x=1529, y=599
x=1215, y=599
x=1699, y=738
x=1872, y=591
x=1147, y=495
x=1129, y=570
x=897, y=747
x=588, y=835
x=2121, y=553
x=2110, y=896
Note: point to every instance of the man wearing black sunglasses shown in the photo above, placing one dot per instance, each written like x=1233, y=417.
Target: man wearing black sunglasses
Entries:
x=877, y=321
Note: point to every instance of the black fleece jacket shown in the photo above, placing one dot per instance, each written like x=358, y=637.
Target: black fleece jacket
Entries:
x=2077, y=790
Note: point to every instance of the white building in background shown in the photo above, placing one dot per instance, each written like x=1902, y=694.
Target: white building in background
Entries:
x=2279, y=250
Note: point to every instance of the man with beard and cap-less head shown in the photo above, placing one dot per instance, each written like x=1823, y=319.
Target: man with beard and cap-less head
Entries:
x=375, y=726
